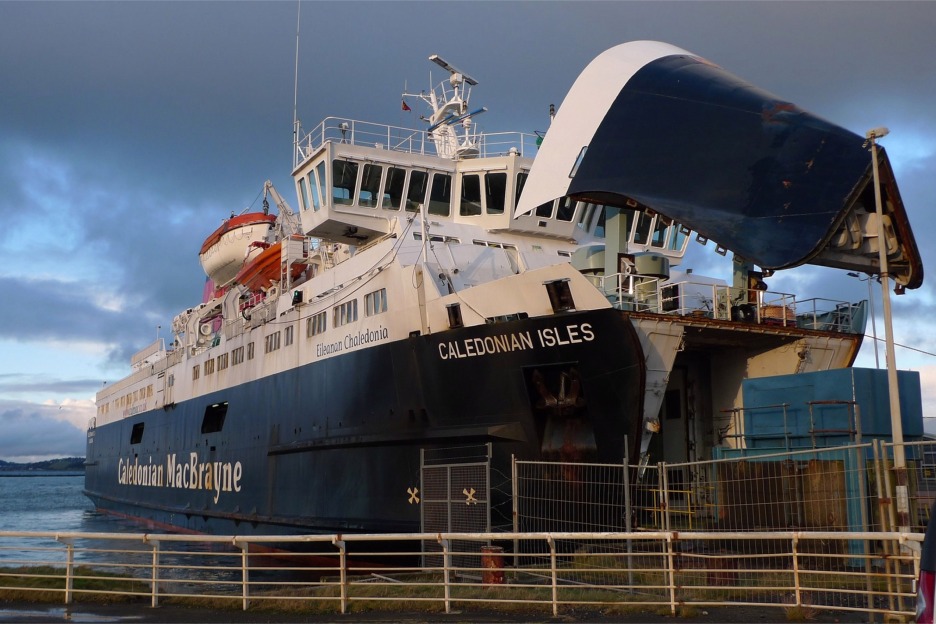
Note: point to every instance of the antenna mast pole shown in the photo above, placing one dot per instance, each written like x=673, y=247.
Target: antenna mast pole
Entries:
x=296, y=91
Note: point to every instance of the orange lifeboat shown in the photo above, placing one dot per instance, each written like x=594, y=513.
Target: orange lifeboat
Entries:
x=222, y=253
x=260, y=271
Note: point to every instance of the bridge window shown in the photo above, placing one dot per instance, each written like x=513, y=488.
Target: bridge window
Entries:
x=370, y=185
x=317, y=181
x=642, y=231
x=440, y=197
x=344, y=177
x=521, y=182
x=495, y=192
x=470, y=195
x=679, y=237
x=585, y=216
x=393, y=189
x=600, y=222
x=566, y=209
x=304, y=189
x=416, y=193
x=545, y=211
x=659, y=233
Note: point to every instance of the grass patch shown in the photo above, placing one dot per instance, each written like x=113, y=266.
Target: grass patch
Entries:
x=47, y=584
x=528, y=591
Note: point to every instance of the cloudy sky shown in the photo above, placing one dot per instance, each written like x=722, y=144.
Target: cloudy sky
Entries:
x=129, y=130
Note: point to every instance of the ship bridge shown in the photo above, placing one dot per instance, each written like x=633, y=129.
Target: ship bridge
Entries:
x=352, y=178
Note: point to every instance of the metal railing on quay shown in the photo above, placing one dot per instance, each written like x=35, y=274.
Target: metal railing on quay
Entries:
x=554, y=570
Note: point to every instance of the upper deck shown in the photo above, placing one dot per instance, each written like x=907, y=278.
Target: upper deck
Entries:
x=407, y=141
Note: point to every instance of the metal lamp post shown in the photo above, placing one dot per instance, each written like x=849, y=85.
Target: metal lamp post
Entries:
x=900, y=460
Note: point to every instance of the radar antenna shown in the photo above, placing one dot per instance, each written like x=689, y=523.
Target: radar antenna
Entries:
x=457, y=74
x=449, y=107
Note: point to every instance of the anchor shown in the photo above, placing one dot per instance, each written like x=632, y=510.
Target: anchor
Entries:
x=413, y=495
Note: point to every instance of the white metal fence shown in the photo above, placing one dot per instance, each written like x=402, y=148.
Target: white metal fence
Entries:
x=795, y=529
x=557, y=572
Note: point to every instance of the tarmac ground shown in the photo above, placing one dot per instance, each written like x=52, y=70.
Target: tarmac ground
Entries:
x=33, y=613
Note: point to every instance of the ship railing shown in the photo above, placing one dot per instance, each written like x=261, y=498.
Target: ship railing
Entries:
x=405, y=140
x=719, y=301
x=558, y=572
x=832, y=315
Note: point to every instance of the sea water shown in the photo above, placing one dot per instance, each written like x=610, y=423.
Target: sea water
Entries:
x=47, y=502
x=53, y=502
x=44, y=501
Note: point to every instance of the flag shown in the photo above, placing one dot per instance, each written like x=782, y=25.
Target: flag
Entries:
x=406, y=107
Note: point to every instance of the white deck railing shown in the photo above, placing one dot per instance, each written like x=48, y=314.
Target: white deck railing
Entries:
x=726, y=303
x=554, y=572
x=407, y=140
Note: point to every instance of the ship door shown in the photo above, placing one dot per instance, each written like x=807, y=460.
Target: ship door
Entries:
x=168, y=383
x=676, y=436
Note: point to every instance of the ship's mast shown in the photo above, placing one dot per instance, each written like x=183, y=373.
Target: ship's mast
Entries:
x=296, y=91
x=449, y=107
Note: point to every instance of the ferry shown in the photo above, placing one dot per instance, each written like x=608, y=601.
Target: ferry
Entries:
x=440, y=288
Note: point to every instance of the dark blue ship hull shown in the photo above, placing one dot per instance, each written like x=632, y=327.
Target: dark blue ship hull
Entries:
x=333, y=446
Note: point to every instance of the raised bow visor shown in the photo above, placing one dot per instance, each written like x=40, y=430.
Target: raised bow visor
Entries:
x=651, y=125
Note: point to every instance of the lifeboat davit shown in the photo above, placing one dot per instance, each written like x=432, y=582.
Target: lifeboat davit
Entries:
x=222, y=254
x=261, y=270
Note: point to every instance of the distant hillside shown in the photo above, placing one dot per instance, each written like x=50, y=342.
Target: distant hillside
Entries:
x=71, y=464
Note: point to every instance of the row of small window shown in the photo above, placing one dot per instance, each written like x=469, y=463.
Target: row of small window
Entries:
x=511, y=249
x=127, y=400
x=643, y=228
x=272, y=342
x=347, y=312
x=220, y=363
x=374, y=303
x=392, y=188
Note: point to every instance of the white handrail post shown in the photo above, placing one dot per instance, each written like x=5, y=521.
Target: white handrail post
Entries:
x=553, y=572
x=671, y=572
x=796, y=575
x=446, y=562
x=155, y=575
x=69, y=571
x=628, y=514
x=343, y=572
x=664, y=494
x=245, y=574
x=516, y=509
